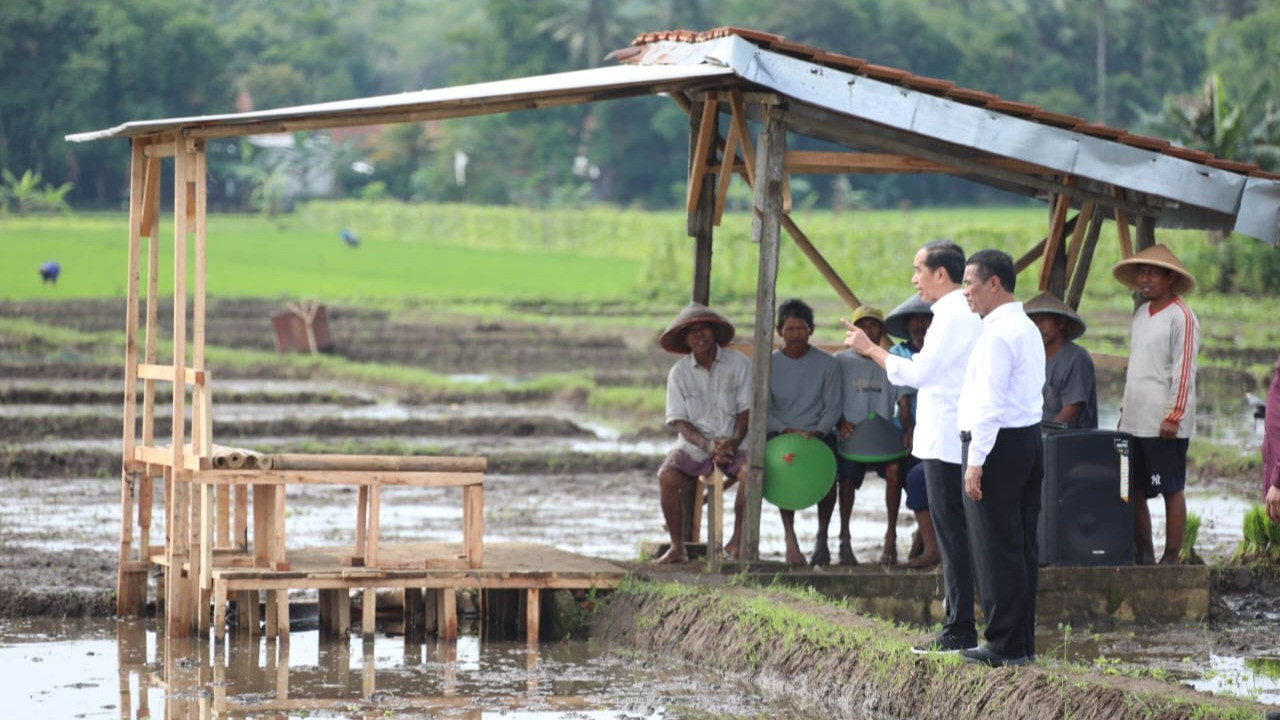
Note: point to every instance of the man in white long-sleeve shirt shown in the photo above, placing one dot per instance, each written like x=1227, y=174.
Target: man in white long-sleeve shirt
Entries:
x=937, y=371
x=1001, y=404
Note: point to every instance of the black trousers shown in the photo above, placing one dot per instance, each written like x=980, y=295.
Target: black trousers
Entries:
x=946, y=507
x=1002, y=537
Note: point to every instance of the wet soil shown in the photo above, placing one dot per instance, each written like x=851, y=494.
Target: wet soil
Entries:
x=825, y=664
x=59, y=525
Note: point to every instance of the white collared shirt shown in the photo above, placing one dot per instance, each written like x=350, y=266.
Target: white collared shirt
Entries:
x=1004, y=381
x=937, y=371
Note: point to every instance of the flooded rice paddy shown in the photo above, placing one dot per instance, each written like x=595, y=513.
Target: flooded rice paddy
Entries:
x=108, y=669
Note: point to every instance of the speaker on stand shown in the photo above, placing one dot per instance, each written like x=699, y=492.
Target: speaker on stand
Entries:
x=1085, y=514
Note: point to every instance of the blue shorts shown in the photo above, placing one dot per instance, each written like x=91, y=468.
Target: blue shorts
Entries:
x=917, y=494
x=847, y=469
x=1158, y=466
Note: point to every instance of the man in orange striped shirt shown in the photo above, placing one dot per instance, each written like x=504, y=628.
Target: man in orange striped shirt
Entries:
x=1159, y=407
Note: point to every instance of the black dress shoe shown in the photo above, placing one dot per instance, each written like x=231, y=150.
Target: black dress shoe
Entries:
x=986, y=656
x=945, y=644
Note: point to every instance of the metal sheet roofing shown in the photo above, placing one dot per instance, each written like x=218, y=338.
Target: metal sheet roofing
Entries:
x=846, y=100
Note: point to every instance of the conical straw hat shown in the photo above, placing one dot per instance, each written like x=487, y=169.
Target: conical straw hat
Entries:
x=1048, y=304
x=672, y=339
x=1159, y=255
x=895, y=323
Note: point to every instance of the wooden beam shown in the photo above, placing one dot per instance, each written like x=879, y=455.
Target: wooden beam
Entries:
x=1122, y=234
x=728, y=159
x=707, y=129
x=166, y=373
x=1084, y=218
x=765, y=225
x=827, y=162
x=1081, y=274
x=824, y=268
x=1053, y=239
x=700, y=221
x=738, y=117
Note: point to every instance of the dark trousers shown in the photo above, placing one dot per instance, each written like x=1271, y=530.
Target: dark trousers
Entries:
x=1002, y=535
x=946, y=506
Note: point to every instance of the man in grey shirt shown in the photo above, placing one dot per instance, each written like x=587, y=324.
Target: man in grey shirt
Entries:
x=804, y=396
x=1070, y=388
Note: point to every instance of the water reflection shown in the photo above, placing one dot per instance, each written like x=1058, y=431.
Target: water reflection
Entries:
x=108, y=669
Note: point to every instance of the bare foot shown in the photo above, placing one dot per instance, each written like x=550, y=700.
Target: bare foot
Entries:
x=917, y=546
x=795, y=558
x=821, y=555
x=846, y=553
x=672, y=556
x=1144, y=559
x=731, y=549
x=1171, y=558
x=924, y=561
x=890, y=554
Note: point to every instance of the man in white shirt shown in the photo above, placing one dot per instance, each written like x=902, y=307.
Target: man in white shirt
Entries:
x=937, y=371
x=1001, y=403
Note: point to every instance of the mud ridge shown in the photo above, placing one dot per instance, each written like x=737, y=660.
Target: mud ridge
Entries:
x=837, y=663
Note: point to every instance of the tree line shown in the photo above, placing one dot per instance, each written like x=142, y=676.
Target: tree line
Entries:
x=1200, y=73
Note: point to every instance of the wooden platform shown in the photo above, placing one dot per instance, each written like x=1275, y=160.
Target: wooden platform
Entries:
x=414, y=567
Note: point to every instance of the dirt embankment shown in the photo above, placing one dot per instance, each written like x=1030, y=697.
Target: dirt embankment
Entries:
x=833, y=662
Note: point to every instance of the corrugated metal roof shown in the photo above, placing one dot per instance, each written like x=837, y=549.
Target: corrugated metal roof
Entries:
x=458, y=101
x=847, y=100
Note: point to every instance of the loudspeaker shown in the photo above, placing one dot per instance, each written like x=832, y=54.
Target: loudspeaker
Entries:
x=1085, y=514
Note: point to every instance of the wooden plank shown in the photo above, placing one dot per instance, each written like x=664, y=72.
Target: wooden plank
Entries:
x=1122, y=233
x=137, y=172
x=532, y=615
x=391, y=463
x=707, y=129
x=1053, y=239
x=738, y=117
x=151, y=226
x=369, y=612
x=181, y=171
x=362, y=523
x=219, y=609
x=447, y=624
x=824, y=268
x=166, y=373
x=270, y=627
x=222, y=516
x=848, y=163
x=263, y=496
x=1081, y=275
x=218, y=476
x=277, y=552
x=715, y=518
x=335, y=613
x=375, y=510
x=728, y=156
x=473, y=525
x=159, y=150
x=240, y=517
x=206, y=538
x=1083, y=218
x=699, y=223
x=765, y=226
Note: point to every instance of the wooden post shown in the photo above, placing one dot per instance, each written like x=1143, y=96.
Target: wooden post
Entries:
x=700, y=216
x=715, y=518
x=447, y=618
x=532, y=615
x=1085, y=261
x=1053, y=254
x=131, y=585
x=369, y=612
x=765, y=225
x=473, y=525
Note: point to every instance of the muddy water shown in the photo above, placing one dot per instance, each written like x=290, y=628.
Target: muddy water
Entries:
x=108, y=669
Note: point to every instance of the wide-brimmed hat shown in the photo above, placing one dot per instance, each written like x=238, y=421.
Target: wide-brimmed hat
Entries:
x=867, y=311
x=1048, y=304
x=672, y=339
x=1159, y=255
x=895, y=323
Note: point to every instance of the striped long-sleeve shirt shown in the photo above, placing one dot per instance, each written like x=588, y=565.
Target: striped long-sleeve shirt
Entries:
x=1161, y=380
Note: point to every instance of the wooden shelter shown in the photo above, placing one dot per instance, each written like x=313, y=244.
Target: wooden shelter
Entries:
x=727, y=80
